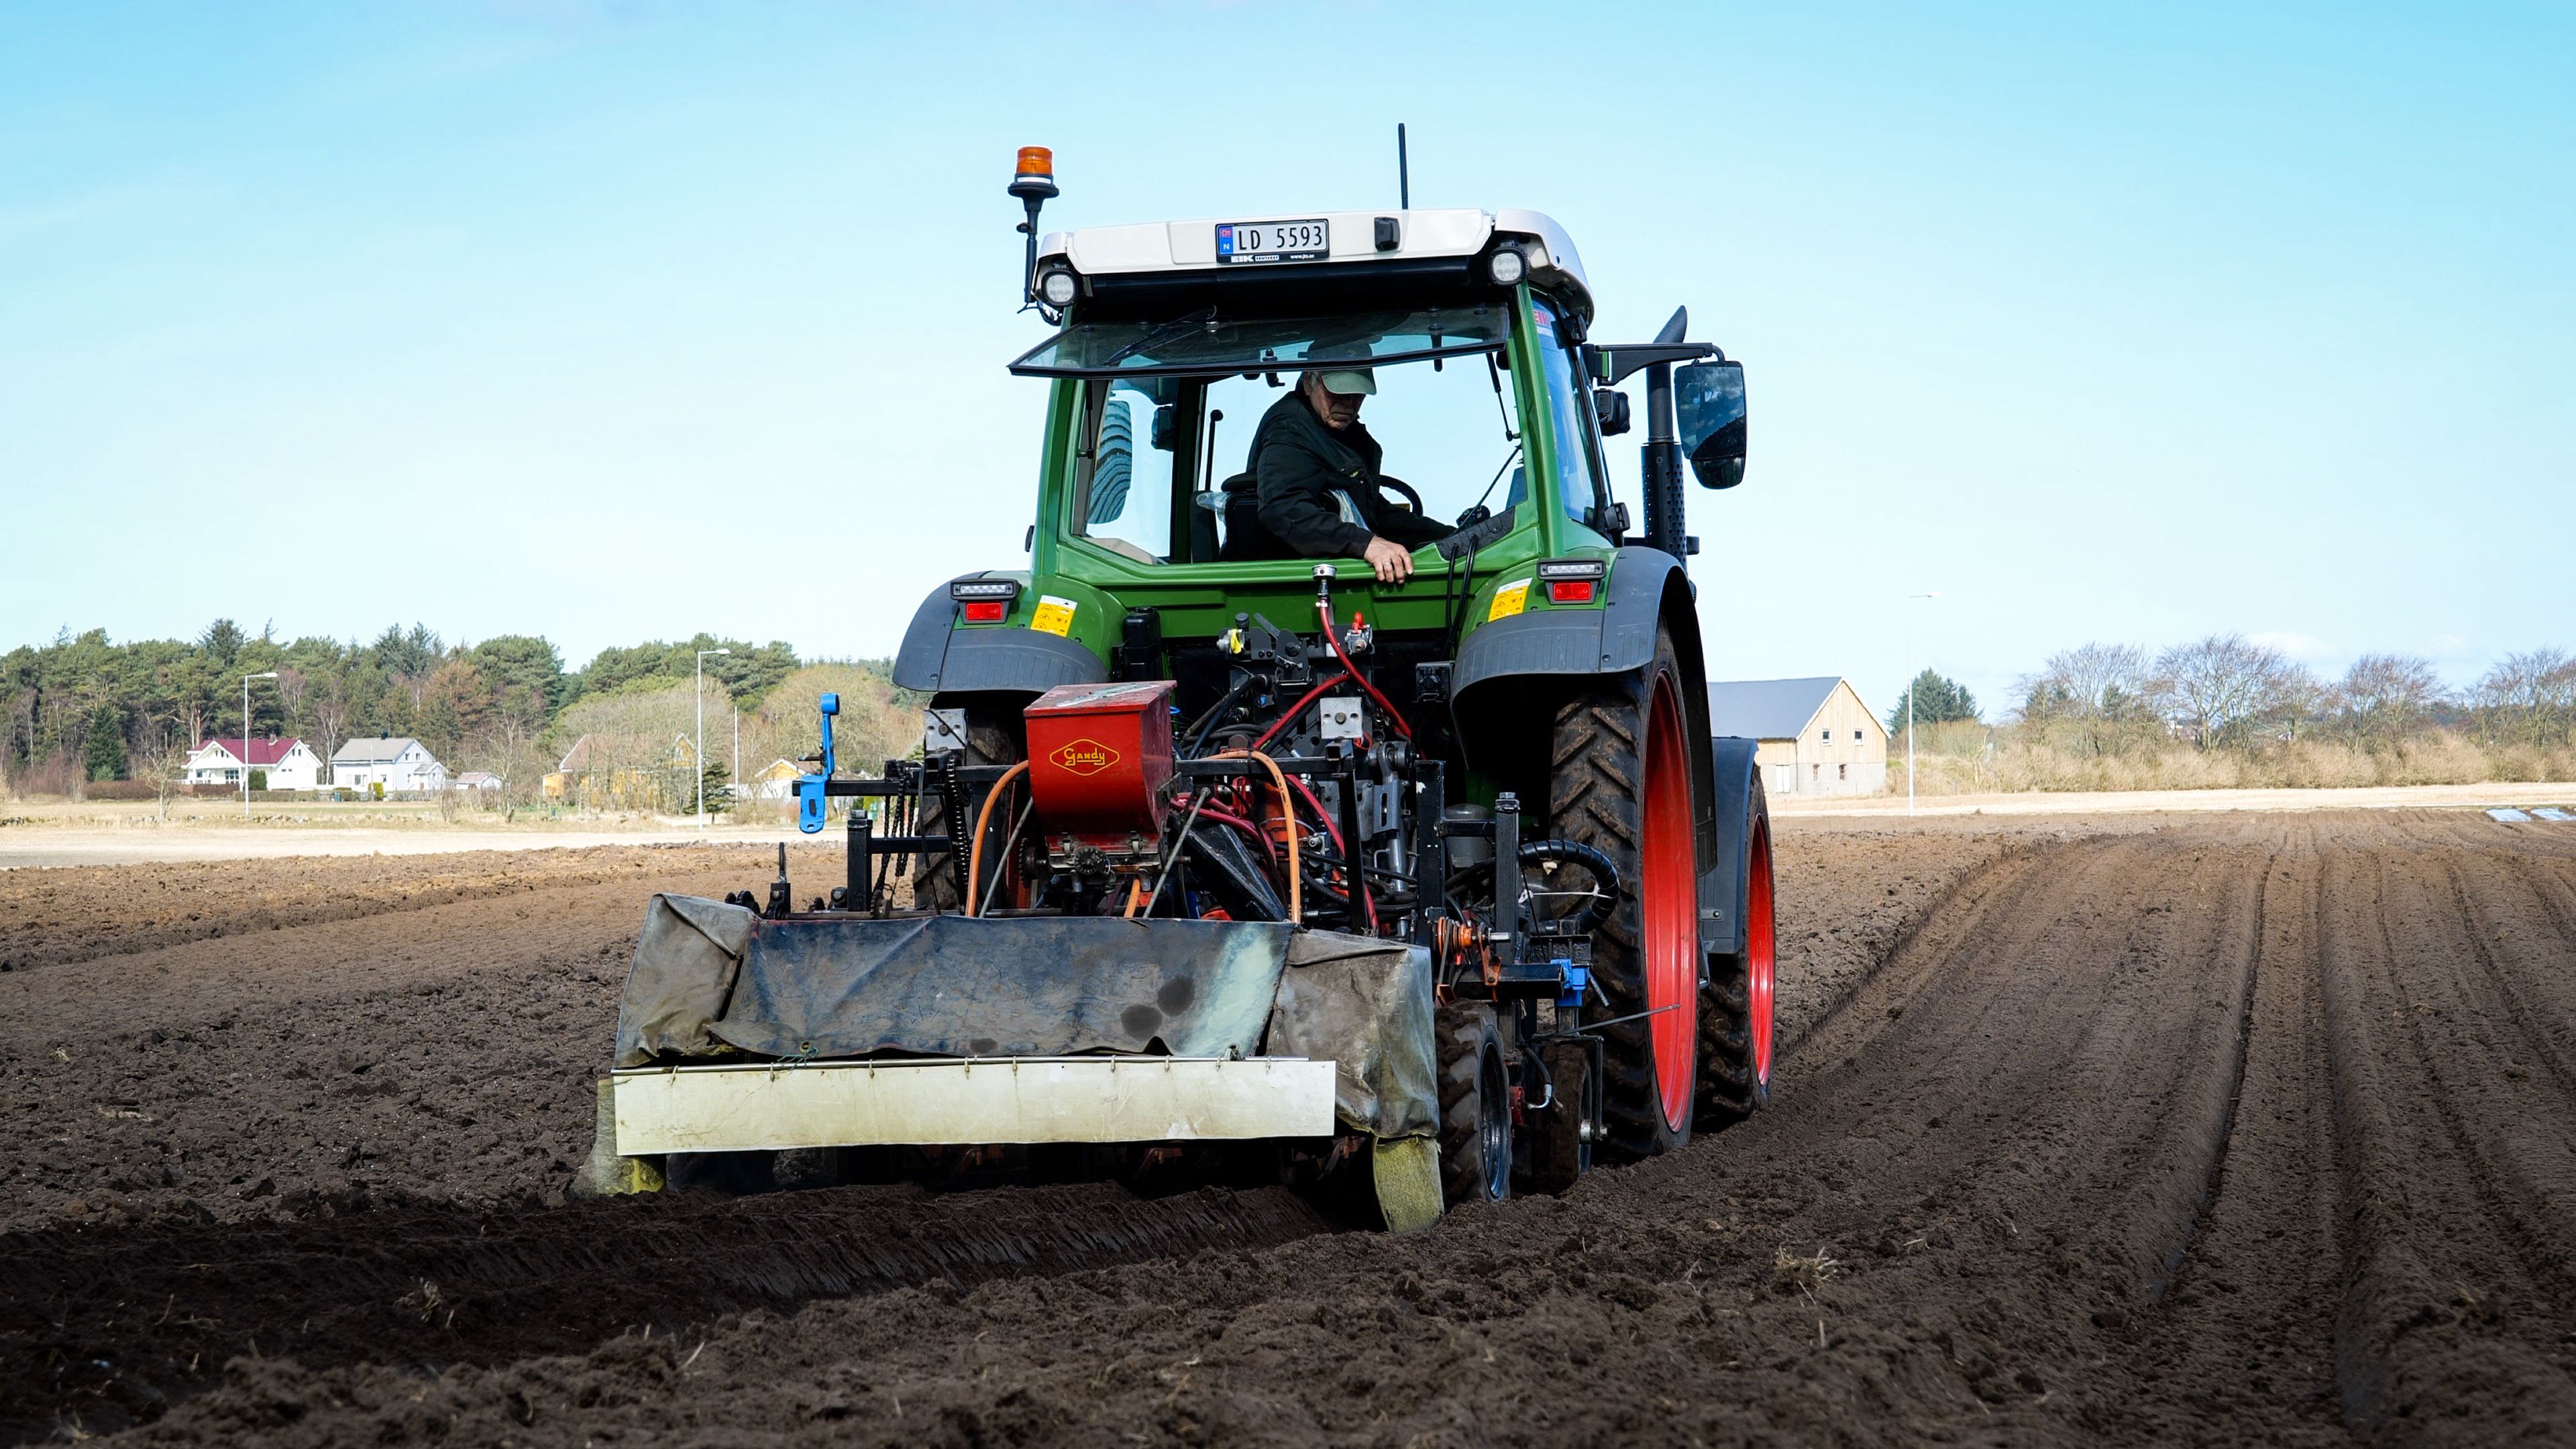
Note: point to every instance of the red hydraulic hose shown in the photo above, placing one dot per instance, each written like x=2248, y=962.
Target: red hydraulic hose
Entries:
x=1351, y=866
x=1294, y=710
x=1332, y=636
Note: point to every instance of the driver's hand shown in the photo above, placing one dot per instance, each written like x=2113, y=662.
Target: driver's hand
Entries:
x=1392, y=561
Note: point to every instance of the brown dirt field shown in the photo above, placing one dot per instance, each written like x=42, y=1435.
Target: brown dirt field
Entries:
x=2222, y=1129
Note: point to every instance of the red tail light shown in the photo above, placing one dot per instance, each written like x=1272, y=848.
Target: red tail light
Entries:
x=1569, y=591
x=987, y=611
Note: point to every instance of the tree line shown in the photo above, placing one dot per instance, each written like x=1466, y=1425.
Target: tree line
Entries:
x=2251, y=714
x=86, y=708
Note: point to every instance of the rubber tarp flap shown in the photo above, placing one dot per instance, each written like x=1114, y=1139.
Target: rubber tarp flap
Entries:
x=1052, y=986
x=1366, y=1004
x=686, y=961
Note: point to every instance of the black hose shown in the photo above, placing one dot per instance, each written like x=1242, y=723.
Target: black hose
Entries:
x=1605, y=876
x=1199, y=729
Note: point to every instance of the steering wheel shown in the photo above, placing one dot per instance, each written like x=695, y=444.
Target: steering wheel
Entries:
x=1406, y=489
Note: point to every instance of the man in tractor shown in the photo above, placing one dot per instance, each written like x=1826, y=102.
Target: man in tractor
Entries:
x=1310, y=489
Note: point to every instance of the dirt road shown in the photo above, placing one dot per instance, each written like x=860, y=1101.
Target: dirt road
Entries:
x=2233, y=1129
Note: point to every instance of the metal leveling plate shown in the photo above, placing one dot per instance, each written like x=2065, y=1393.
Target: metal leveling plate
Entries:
x=1006, y=1099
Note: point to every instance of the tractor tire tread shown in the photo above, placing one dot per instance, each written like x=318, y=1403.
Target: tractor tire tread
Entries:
x=1464, y=1034
x=1596, y=785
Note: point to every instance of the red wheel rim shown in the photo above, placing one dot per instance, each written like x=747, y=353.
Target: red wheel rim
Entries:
x=1668, y=902
x=1758, y=948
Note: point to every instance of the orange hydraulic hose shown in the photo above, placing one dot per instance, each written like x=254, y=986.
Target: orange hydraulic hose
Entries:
x=1288, y=809
x=983, y=818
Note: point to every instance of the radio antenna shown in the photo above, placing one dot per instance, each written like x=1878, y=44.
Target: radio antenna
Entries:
x=1403, y=173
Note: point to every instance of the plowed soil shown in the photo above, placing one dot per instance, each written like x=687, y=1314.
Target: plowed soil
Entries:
x=2245, y=1129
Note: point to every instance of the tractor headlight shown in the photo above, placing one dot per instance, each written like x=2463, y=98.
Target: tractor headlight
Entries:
x=1058, y=287
x=1507, y=266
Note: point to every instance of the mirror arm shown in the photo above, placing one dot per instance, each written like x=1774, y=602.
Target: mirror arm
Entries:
x=1661, y=470
x=1614, y=363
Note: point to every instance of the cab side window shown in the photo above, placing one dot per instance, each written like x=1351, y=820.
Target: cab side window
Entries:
x=1124, y=501
x=1578, y=478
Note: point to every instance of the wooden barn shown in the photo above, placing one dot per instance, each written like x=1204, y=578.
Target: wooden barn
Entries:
x=1817, y=738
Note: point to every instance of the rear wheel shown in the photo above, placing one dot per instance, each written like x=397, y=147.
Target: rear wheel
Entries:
x=989, y=741
x=1620, y=781
x=1735, y=1009
x=1475, y=1107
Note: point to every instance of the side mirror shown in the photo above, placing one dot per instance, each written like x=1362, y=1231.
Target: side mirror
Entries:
x=1709, y=397
x=1165, y=418
x=1610, y=405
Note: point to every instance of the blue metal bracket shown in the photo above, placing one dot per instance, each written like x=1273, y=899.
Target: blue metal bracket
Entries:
x=810, y=794
x=1571, y=982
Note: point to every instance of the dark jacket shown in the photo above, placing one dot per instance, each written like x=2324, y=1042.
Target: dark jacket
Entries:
x=1284, y=504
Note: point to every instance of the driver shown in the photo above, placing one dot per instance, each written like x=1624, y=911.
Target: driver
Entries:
x=1313, y=477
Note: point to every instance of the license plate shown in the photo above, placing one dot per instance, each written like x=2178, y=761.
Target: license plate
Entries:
x=1241, y=243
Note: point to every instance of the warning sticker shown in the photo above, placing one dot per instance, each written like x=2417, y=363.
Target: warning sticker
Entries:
x=1510, y=599
x=1054, y=616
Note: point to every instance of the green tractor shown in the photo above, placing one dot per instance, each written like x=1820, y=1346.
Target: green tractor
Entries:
x=1278, y=814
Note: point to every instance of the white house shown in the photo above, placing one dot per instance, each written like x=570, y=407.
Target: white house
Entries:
x=1817, y=738
x=290, y=764
x=389, y=764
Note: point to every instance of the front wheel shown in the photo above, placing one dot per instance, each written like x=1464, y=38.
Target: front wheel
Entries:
x=1475, y=1107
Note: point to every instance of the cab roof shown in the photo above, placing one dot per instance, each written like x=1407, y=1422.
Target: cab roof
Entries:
x=1172, y=251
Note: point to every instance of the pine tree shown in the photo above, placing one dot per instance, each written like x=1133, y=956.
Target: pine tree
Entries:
x=106, y=754
x=714, y=778
x=1937, y=700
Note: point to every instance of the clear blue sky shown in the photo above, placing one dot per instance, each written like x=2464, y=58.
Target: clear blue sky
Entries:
x=625, y=320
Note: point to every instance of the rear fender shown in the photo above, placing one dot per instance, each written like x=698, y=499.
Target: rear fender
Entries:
x=940, y=657
x=1646, y=587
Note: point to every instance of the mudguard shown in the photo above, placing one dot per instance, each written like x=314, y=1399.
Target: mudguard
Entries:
x=939, y=656
x=1647, y=586
x=1620, y=635
x=1722, y=899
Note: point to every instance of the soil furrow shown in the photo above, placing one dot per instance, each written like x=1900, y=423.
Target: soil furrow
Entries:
x=2220, y=1131
x=2426, y=1313
x=109, y=1328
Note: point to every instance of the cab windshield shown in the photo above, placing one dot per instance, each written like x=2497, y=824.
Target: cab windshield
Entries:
x=1205, y=341
x=1156, y=451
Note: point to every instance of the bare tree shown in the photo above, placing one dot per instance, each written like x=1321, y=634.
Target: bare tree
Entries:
x=2384, y=698
x=331, y=713
x=2217, y=687
x=2091, y=681
x=162, y=760
x=2530, y=696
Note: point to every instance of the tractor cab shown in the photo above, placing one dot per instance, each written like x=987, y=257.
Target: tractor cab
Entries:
x=1177, y=338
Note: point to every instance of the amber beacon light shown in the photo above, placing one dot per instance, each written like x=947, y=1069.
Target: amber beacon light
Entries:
x=1033, y=182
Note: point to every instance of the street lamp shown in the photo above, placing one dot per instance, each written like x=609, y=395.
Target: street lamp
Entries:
x=701, y=761
x=246, y=679
x=1909, y=722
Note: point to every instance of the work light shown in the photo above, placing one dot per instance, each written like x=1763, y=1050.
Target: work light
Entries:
x=1507, y=266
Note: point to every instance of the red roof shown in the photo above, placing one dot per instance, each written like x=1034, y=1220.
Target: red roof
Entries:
x=261, y=752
